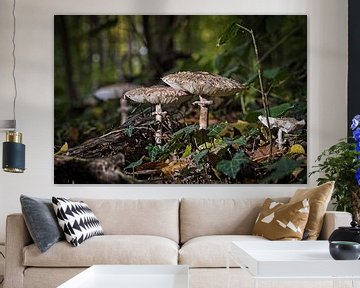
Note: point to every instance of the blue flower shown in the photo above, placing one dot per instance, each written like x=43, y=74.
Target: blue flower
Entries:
x=357, y=176
x=355, y=122
x=356, y=134
x=357, y=147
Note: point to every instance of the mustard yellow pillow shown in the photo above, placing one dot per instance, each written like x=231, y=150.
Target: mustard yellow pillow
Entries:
x=319, y=198
x=279, y=221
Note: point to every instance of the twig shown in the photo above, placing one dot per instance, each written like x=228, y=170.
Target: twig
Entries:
x=263, y=94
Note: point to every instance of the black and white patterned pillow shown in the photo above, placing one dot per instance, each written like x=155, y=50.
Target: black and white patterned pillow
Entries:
x=77, y=220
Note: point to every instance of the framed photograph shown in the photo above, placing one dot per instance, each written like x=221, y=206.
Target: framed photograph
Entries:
x=180, y=99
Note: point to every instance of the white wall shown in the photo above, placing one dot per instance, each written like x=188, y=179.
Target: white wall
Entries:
x=327, y=59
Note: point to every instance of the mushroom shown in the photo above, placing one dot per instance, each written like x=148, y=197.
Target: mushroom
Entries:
x=205, y=85
x=116, y=91
x=283, y=125
x=156, y=95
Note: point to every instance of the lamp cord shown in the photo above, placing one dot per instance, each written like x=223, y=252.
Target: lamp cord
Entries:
x=14, y=60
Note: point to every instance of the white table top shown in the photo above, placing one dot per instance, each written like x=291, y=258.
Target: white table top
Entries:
x=291, y=259
x=131, y=276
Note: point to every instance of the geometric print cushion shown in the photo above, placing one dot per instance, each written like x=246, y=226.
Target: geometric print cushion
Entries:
x=279, y=221
x=76, y=220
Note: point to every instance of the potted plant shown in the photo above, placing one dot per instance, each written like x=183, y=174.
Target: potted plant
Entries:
x=341, y=163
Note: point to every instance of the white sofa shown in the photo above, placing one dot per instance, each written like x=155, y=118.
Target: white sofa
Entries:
x=194, y=232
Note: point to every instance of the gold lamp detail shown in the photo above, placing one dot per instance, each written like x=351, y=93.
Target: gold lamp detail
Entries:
x=13, y=150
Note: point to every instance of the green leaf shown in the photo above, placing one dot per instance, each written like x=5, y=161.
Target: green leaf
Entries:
x=271, y=73
x=237, y=141
x=229, y=33
x=276, y=111
x=215, y=129
x=156, y=151
x=197, y=158
x=185, y=131
x=187, y=151
x=129, y=130
x=134, y=164
x=232, y=167
x=280, y=110
x=64, y=148
x=280, y=169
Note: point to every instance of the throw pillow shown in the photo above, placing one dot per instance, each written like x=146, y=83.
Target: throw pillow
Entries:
x=77, y=220
x=279, y=221
x=41, y=222
x=319, y=198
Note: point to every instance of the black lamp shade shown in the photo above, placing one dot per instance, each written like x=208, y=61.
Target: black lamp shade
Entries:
x=13, y=157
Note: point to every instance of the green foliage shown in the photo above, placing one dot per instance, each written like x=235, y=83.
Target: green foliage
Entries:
x=134, y=164
x=156, y=151
x=231, y=167
x=199, y=156
x=280, y=169
x=276, y=111
x=339, y=163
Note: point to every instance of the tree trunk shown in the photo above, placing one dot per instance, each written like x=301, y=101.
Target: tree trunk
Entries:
x=68, y=61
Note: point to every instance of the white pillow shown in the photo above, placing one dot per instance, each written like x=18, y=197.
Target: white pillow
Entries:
x=76, y=220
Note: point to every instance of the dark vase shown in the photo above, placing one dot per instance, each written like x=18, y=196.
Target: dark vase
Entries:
x=344, y=250
x=351, y=233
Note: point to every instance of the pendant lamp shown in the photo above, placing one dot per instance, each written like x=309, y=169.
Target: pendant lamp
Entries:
x=13, y=160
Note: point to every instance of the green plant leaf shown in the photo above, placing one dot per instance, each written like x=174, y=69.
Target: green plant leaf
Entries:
x=215, y=129
x=134, y=164
x=280, y=169
x=185, y=131
x=156, y=151
x=232, y=167
x=187, y=151
x=197, y=158
x=64, y=148
x=229, y=33
x=129, y=130
x=237, y=141
x=271, y=73
x=276, y=111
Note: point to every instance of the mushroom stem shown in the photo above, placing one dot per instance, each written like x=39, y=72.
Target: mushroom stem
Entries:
x=280, y=140
x=204, y=111
x=158, y=117
x=124, y=108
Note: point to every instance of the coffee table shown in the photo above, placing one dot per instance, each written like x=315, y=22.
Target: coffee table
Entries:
x=131, y=276
x=293, y=260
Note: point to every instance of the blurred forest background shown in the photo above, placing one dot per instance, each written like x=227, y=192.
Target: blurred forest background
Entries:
x=97, y=58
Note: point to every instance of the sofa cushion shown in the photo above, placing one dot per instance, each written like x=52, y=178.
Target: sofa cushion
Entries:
x=319, y=198
x=77, y=220
x=200, y=217
x=211, y=251
x=41, y=221
x=158, y=217
x=279, y=221
x=107, y=249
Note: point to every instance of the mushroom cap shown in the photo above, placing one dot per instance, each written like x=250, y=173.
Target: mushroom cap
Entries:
x=158, y=94
x=203, y=83
x=114, y=91
x=286, y=124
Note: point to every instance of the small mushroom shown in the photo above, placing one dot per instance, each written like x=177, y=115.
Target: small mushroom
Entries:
x=283, y=125
x=116, y=91
x=156, y=95
x=205, y=85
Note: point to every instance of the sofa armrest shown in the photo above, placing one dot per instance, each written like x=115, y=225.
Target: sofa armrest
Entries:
x=333, y=220
x=17, y=237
